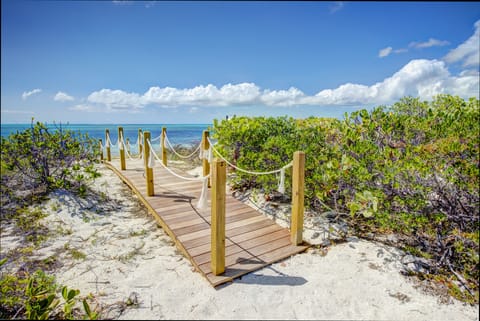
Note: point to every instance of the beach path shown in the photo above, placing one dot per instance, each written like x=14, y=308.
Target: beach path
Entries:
x=252, y=240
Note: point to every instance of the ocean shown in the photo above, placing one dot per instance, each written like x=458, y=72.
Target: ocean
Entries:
x=184, y=134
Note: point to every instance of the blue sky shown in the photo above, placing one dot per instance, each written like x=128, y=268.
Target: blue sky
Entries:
x=192, y=61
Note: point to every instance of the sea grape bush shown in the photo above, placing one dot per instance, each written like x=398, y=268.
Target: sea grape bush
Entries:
x=39, y=160
x=411, y=169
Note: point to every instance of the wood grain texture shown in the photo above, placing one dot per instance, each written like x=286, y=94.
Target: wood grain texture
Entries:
x=251, y=239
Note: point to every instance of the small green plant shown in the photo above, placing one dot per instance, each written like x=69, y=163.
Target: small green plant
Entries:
x=141, y=232
x=34, y=297
x=74, y=253
x=55, y=206
x=40, y=297
x=69, y=298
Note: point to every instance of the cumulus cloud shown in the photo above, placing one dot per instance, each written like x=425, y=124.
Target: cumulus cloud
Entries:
x=116, y=99
x=61, y=96
x=430, y=43
x=27, y=94
x=419, y=78
x=290, y=97
x=468, y=52
x=422, y=78
x=385, y=52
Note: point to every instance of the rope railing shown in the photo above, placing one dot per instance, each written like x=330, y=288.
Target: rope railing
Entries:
x=248, y=171
x=109, y=143
x=281, y=184
x=127, y=151
x=169, y=144
x=218, y=177
x=203, y=195
x=121, y=145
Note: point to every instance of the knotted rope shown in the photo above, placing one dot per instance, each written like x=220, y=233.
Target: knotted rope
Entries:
x=281, y=185
x=202, y=201
x=169, y=144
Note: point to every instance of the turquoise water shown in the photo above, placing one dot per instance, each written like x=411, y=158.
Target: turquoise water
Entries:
x=184, y=134
x=177, y=133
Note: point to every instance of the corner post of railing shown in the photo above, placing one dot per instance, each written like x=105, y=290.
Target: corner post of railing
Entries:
x=101, y=150
x=298, y=185
x=140, y=141
x=107, y=142
x=121, y=149
x=148, y=171
x=164, y=150
x=219, y=175
x=205, y=147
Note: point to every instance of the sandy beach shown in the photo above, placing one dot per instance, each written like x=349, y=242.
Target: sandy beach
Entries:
x=113, y=249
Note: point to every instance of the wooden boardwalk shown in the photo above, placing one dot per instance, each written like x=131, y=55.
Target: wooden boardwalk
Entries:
x=252, y=240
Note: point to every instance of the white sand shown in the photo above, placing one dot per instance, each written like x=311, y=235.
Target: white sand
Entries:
x=128, y=256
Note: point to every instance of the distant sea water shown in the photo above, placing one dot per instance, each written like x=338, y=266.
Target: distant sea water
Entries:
x=184, y=134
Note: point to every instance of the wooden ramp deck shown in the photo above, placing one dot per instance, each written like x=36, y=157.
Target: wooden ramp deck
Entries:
x=252, y=240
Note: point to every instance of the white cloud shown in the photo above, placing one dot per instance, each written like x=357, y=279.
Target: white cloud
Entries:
x=82, y=107
x=384, y=52
x=430, y=43
x=27, y=94
x=122, y=2
x=338, y=5
x=468, y=52
x=116, y=99
x=61, y=96
x=389, y=50
x=11, y=111
x=420, y=78
x=289, y=97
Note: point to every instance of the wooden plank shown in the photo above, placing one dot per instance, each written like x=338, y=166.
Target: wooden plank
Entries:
x=203, y=239
x=245, y=267
x=251, y=240
x=250, y=254
x=244, y=245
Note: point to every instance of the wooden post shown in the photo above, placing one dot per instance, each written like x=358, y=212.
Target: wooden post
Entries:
x=164, y=150
x=148, y=171
x=140, y=141
x=121, y=150
x=298, y=184
x=219, y=177
x=205, y=147
x=101, y=150
x=107, y=135
x=128, y=146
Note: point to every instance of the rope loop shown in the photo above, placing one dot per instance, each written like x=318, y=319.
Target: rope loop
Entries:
x=109, y=143
x=248, y=171
x=170, y=146
x=202, y=201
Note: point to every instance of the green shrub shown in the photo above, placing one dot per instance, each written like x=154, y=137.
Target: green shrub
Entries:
x=411, y=169
x=39, y=160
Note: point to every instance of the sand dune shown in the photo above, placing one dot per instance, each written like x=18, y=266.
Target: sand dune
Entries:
x=115, y=250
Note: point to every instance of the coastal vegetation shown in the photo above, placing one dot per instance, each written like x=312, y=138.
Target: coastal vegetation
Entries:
x=34, y=163
x=406, y=175
x=410, y=171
